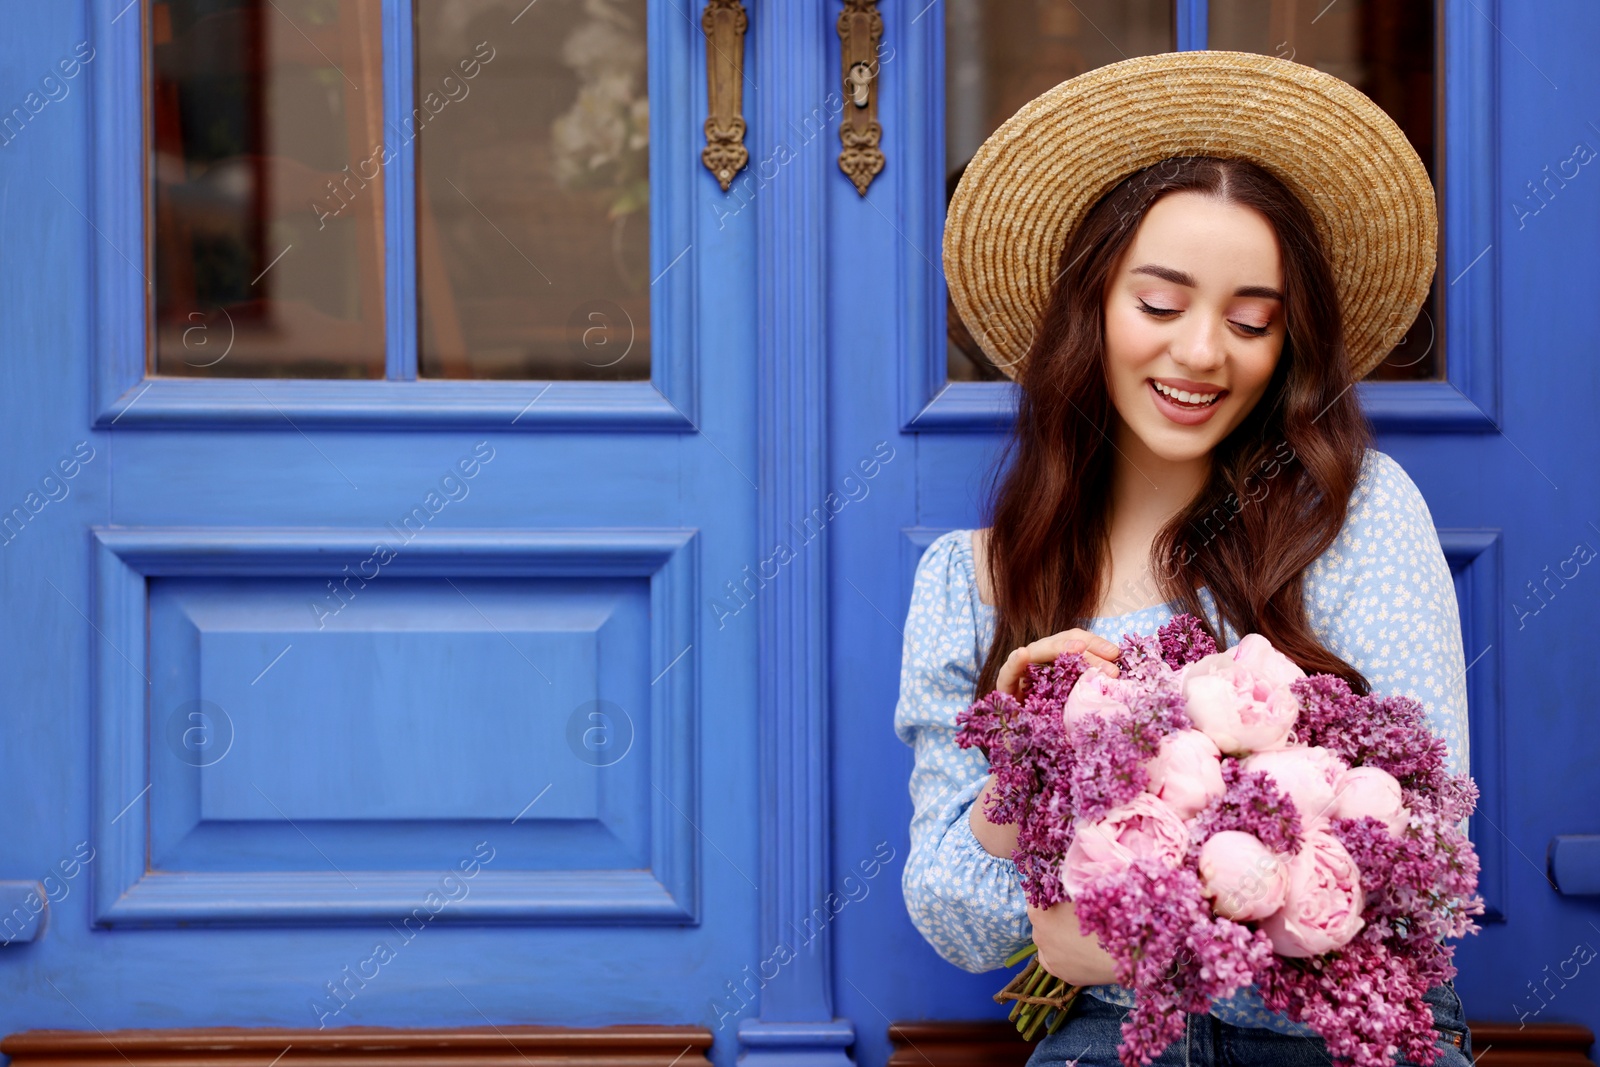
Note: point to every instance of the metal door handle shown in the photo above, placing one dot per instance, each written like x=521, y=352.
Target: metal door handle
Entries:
x=1574, y=861
x=22, y=908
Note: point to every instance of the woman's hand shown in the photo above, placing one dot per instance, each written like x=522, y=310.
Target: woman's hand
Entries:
x=1065, y=950
x=1000, y=839
x=1097, y=652
x=997, y=839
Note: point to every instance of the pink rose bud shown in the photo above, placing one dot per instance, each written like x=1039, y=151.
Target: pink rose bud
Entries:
x=1186, y=771
x=1308, y=775
x=1371, y=791
x=1240, y=697
x=1322, y=908
x=1144, y=828
x=1245, y=879
x=1095, y=691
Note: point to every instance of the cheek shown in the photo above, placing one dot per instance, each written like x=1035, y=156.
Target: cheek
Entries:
x=1259, y=373
x=1262, y=368
x=1130, y=338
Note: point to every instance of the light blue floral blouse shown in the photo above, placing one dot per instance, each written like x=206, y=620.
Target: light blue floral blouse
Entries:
x=1381, y=597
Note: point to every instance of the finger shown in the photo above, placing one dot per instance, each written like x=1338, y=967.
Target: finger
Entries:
x=1041, y=651
x=1047, y=649
x=1082, y=640
x=1013, y=682
x=1105, y=665
x=1106, y=649
x=1010, y=670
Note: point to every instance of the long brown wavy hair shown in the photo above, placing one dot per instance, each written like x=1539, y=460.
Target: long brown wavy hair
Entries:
x=1304, y=441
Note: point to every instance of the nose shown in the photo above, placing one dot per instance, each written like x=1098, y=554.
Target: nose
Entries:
x=1200, y=345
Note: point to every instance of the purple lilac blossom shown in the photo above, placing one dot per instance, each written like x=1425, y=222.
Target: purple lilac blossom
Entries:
x=1110, y=752
x=1170, y=947
x=1365, y=1000
x=1033, y=768
x=1386, y=732
x=1183, y=640
x=1251, y=802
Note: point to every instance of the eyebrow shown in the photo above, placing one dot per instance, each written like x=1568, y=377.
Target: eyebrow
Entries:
x=1179, y=277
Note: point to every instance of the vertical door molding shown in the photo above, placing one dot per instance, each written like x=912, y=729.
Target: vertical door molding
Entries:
x=795, y=68
x=399, y=195
x=1191, y=19
x=1474, y=555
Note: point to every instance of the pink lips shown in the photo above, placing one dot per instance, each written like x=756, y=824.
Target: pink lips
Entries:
x=1183, y=416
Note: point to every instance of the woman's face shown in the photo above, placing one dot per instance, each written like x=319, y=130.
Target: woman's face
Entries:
x=1194, y=305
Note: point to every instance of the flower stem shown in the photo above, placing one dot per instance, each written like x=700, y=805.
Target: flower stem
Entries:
x=1021, y=954
x=1030, y=1012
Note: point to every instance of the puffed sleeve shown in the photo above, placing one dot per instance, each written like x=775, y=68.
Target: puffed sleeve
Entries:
x=1382, y=598
x=968, y=904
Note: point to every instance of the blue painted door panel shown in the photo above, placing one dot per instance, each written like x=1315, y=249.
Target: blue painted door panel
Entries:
x=1504, y=450
x=393, y=703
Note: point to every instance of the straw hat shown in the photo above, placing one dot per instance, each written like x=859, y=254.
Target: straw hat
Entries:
x=1035, y=177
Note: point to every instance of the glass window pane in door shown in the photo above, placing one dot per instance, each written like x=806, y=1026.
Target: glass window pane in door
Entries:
x=533, y=193
x=999, y=54
x=1387, y=51
x=267, y=210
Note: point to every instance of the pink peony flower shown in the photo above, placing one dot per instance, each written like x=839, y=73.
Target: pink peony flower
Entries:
x=1310, y=777
x=1322, y=908
x=1245, y=879
x=1256, y=654
x=1371, y=791
x=1144, y=828
x=1096, y=692
x=1240, y=698
x=1186, y=771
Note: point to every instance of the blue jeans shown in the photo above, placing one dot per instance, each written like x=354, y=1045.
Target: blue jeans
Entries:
x=1092, y=1033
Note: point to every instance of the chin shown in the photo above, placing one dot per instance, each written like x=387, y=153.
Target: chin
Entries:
x=1179, y=447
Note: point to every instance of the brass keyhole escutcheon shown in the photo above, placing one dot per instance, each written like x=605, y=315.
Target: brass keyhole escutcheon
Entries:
x=724, y=23
x=859, y=83
x=860, y=27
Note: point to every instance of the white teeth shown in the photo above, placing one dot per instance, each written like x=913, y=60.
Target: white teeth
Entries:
x=1186, y=397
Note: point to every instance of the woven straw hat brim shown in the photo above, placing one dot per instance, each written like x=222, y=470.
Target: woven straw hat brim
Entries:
x=1034, y=178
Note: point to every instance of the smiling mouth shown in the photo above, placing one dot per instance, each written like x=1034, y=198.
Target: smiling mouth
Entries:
x=1186, y=399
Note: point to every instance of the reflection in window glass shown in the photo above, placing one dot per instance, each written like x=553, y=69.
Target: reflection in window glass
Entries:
x=1387, y=51
x=268, y=234
x=999, y=54
x=533, y=218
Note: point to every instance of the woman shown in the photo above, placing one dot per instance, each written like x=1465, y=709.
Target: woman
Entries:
x=1187, y=439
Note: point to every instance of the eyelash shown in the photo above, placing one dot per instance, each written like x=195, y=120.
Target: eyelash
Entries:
x=1253, y=331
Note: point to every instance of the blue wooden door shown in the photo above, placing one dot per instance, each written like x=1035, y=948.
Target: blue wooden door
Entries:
x=1486, y=404
x=546, y=677
x=370, y=524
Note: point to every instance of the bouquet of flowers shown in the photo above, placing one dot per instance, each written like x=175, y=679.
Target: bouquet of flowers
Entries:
x=1220, y=819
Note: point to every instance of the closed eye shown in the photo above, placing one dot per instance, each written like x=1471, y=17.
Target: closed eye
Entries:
x=1160, y=313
